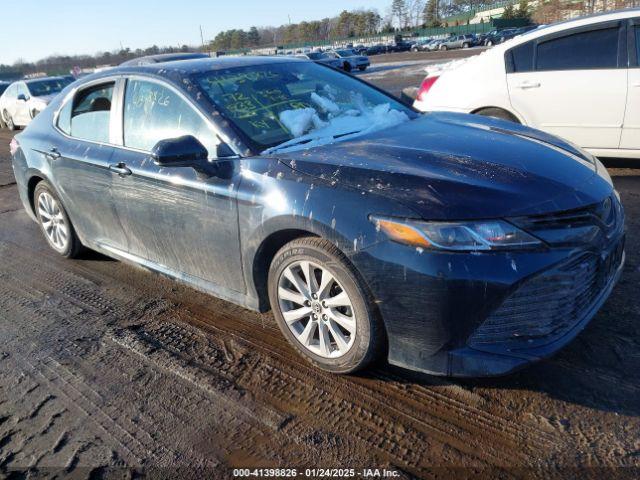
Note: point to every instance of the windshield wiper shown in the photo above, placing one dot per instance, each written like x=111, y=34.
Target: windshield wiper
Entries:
x=302, y=141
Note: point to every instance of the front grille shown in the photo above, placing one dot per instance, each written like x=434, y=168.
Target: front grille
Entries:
x=579, y=226
x=547, y=306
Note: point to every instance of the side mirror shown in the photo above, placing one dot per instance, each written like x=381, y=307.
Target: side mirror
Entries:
x=186, y=151
x=223, y=150
x=22, y=97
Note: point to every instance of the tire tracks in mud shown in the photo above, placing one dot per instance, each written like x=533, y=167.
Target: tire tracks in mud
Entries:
x=49, y=302
x=400, y=424
x=276, y=406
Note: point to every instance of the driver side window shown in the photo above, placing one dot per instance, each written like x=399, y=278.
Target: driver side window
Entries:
x=153, y=112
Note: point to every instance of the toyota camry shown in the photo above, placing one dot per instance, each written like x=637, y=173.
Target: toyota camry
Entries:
x=446, y=243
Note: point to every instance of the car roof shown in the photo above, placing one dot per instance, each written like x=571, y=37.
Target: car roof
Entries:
x=567, y=25
x=194, y=67
x=165, y=57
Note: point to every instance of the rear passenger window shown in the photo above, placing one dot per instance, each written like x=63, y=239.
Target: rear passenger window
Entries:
x=91, y=114
x=522, y=58
x=638, y=44
x=64, y=118
x=580, y=51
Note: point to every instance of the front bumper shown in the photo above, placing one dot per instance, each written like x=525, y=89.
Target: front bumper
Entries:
x=449, y=313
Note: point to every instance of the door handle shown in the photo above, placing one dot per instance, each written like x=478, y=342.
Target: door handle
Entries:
x=526, y=85
x=120, y=168
x=53, y=154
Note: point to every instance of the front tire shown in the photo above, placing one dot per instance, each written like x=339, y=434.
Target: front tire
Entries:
x=444, y=47
x=54, y=221
x=362, y=68
x=323, y=307
x=347, y=67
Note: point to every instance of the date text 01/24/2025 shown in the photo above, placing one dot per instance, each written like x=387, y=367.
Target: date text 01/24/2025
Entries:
x=316, y=473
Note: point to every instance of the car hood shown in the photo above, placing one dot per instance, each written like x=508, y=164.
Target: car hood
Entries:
x=458, y=166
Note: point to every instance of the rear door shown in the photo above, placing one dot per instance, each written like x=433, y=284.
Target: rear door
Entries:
x=572, y=83
x=80, y=157
x=631, y=128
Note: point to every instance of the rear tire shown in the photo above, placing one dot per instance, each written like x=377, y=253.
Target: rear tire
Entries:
x=362, y=68
x=499, y=113
x=330, y=316
x=54, y=221
x=443, y=47
x=347, y=67
x=10, y=125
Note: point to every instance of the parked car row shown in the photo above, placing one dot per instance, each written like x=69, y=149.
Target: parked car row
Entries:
x=578, y=79
x=497, y=37
x=345, y=59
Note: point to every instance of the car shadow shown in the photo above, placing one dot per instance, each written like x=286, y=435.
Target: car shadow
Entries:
x=600, y=370
x=94, y=256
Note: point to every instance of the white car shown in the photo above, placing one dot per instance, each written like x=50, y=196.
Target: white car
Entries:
x=24, y=99
x=578, y=79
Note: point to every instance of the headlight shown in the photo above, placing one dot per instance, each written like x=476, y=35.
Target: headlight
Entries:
x=457, y=236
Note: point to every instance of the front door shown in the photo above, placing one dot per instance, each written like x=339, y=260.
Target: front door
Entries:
x=574, y=85
x=21, y=114
x=177, y=218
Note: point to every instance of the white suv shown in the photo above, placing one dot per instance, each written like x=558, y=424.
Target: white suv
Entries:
x=578, y=79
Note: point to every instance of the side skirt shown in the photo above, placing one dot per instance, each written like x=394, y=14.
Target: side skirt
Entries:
x=218, y=291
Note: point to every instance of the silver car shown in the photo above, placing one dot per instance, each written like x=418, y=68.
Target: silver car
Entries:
x=24, y=99
x=321, y=57
x=351, y=60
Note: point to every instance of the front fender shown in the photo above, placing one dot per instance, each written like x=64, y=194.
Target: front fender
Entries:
x=273, y=198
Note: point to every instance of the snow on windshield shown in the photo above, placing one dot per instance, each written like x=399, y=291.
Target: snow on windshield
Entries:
x=294, y=105
x=343, y=121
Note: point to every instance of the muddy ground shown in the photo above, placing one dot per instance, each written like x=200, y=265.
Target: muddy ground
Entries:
x=105, y=367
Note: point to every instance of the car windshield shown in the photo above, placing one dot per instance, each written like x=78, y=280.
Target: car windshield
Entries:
x=3, y=87
x=49, y=86
x=284, y=106
x=346, y=53
x=316, y=56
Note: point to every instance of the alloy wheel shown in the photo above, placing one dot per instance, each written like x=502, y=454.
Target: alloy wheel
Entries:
x=53, y=221
x=317, y=309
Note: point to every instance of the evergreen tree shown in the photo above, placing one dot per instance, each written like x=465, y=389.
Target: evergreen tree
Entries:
x=523, y=10
x=509, y=12
x=253, y=36
x=430, y=14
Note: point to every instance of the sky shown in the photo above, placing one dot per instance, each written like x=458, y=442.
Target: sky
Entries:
x=34, y=29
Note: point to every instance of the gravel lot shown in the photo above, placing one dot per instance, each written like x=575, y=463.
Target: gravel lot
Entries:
x=104, y=366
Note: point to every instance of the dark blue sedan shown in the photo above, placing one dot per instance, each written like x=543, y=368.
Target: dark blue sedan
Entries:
x=452, y=244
